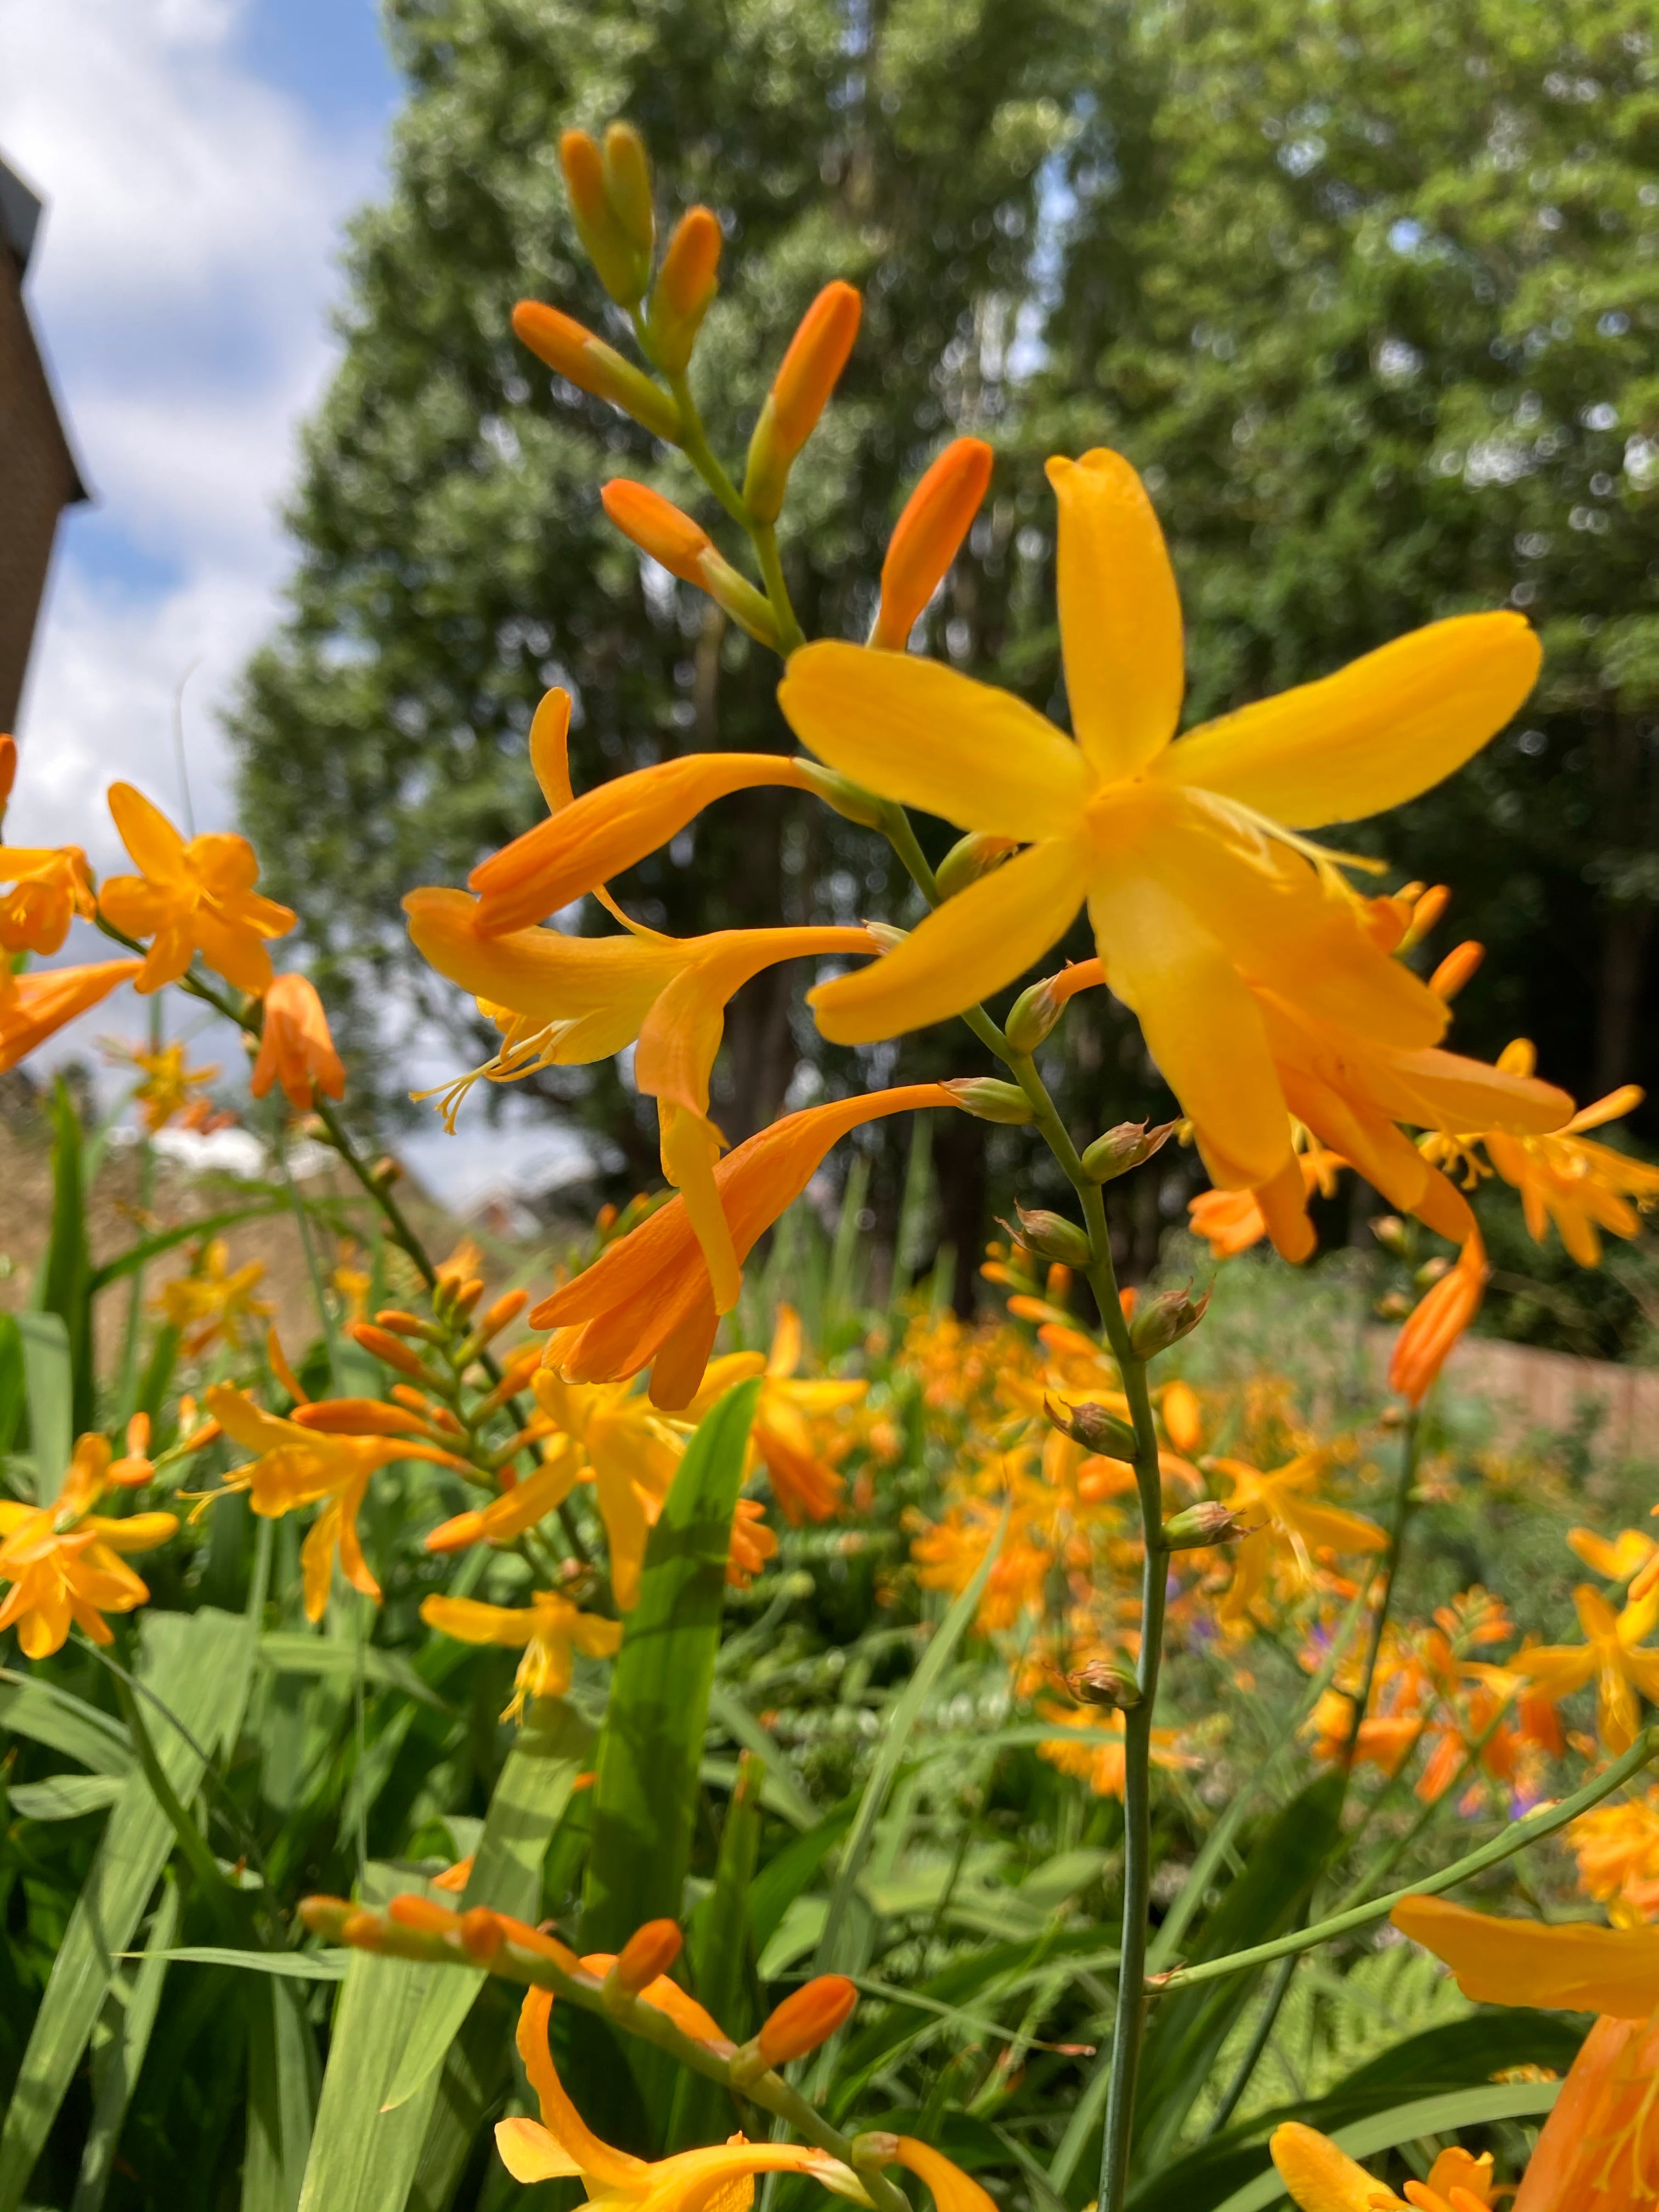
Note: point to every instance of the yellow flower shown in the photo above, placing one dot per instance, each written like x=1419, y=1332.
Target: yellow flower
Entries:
x=215, y=1301
x=624, y=1445
x=1616, y=1847
x=34, y=1008
x=190, y=899
x=1288, y=1521
x=1197, y=886
x=1617, y=1560
x=168, y=1084
x=1614, y=1655
x=563, y=1000
x=781, y=1439
x=63, y=1562
x=720, y=2179
x=299, y=1465
x=49, y=887
x=1322, y=2178
x=752, y=1543
x=549, y=1628
x=1583, y=1188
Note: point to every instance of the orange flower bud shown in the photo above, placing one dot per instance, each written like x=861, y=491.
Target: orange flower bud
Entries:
x=621, y=267
x=806, y=2019
x=927, y=538
x=685, y=285
x=660, y=528
x=648, y=1952
x=544, y=1946
x=481, y=1934
x=386, y=1348
x=627, y=186
x=1435, y=1324
x=295, y=1047
x=588, y=362
x=325, y=1916
x=505, y=1310
x=808, y=375
x=422, y=1913
x=402, y=1323
x=1455, y=969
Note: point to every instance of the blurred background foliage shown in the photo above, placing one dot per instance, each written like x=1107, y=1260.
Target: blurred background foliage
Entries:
x=1370, y=294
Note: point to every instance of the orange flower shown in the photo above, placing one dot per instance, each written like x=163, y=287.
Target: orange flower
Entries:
x=295, y=1049
x=647, y=1300
x=34, y=1008
x=549, y=1629
x=190, y=899
x=1583, y=1188
x=49, y=887
x=927, y=537
x=804, y=1484
x=300, y=1465
x=1433, y=1327
x=1287, y=1522
x=1322, y=2178
x=1102, y=1765
x=1231, y=1221
x=1614, y=1655
x=1616, y=1847
x=62, y=1561
x=752, y=1543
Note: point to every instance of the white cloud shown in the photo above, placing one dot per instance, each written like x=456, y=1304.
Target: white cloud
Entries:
x=181, y=284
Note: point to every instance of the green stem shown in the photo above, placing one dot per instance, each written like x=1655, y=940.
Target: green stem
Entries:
x=790, y=637
x=191, y=1842
x=694, y=444
x=1398, y=1514
x=1516, y=1837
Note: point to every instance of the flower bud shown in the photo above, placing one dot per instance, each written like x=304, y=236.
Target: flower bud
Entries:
x=1124, y=1147
x=988, y=1100
x=648, y=1952
x=588, y=362
x=617, y=261
x=628, y=188
x=971, y=858
x=1165, y=1320
x=1197, y=1527
x=885, y=936
x=875, y=2148
x=686, y=284
x=1052, y=1237
x=423, y=1914
x=1033, y=1015
x=481, y=1932
x=1106, y=1682
x=849, y=800
x=1389, y=1231
x=927, y=537
x=1455, y=969
x=807, y=375
x=1097, y=1428
x=807, y=2018
x=325, y=1916
x=389, y=1350
x=1426, y=911
x=660, y=528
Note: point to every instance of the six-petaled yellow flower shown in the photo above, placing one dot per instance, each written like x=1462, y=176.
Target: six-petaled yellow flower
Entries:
x=190, y=897
x=65, y=1562
x=548, y=1630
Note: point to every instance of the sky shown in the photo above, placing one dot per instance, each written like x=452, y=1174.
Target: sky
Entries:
x=199, y=160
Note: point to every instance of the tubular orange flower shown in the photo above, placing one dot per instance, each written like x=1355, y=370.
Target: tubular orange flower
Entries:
x=63, y=1561
x=807, y=374
x=1583, y=1188
x=927, y=537
x=563, y=2145
x=1614, y=1655
x=752, y=1543
x=648, y=1301
x=300, y=1465
x=168, y=1084
x=592, y=365
x=295, y=1049
x=952, y=2190
x=1288, y=1520
x=579, y=998
x=34, y=1007
x=658, y=527
x=1433, y=1327
x=49, y=887
x=190, y=899
x=550, y=1628
x=1196, y=888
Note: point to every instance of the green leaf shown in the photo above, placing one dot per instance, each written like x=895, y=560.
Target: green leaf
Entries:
x=476, y=2077
x=279, y=1966
x=895, y=1735
x=282, y=2097
x=32, y=1706
x=129, y=2012
x=362, y=2157
x=197, y=1664
x=1432, y=2115
x=65, y=1284
x=1186, y=2032
x=14, y=1389
x=530, y=1794
x=644, y=1796
x=720, y=1958
x=151, y=1248
x=65, y=1797
x=49, y=1379
x=783, y=1785
x=293, y=1652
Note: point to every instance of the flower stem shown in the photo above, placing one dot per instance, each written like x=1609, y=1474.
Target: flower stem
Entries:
x=1399, y=1515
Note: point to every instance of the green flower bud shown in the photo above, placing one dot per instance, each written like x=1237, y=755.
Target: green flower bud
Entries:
x=1122, y=1148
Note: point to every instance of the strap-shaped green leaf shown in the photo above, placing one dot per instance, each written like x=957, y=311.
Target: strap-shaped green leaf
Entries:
x=49, y=1388
x=650, y=1747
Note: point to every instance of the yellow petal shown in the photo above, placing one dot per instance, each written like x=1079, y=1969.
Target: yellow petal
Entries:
x=951, y=2189
x=157, y=849
x=917, y=732
x=530, y=2154
x=972, y=945
x=1120, y=614
x=689, y=1149
x=1201, y=1026
x=1380, y=731
x=1572, y=1966
x=470, y=1621
x=542, y=974
x=1321, y=2178
x=549, y=753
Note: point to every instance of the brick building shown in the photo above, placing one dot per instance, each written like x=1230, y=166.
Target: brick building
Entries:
x=37, y=475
